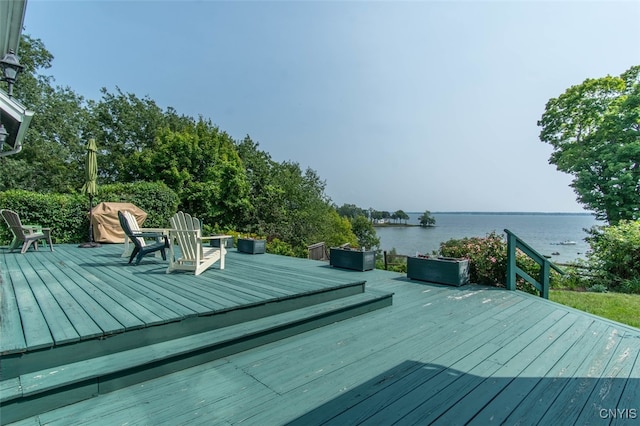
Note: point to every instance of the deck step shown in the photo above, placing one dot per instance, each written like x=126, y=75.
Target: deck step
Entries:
x=51, y=388
x=22, y=363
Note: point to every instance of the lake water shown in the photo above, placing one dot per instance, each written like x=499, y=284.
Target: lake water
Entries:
x=543, y=232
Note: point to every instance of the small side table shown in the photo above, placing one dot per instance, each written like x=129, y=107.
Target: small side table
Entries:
x=47, y=237
x=36, y=228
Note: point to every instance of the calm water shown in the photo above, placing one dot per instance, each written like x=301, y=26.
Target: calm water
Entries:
x=543, y=232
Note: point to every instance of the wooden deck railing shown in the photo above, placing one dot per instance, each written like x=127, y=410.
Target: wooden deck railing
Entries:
x=391, y=259
x=318, y=251
x=542, y=283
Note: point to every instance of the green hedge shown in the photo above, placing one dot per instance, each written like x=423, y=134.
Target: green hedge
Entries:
x=63, y=213
x=67, y=214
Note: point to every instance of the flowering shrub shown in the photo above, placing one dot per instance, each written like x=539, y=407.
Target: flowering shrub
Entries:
x=488, y=260
x=487, y=257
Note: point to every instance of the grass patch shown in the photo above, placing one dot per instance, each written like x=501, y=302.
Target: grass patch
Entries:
x=624, y=308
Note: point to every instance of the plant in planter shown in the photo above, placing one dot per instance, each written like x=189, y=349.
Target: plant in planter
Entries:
x=438, y=269
x=252, y=245
x=228, y=242
x=215, y=231
x=349, y=258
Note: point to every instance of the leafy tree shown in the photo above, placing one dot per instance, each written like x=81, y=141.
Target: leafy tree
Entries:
x=52, y=158
x=426, y=219
x=302, y=203
x=202, y=165
x=401, y=215
x=365, y=232
x=351, y=211
x=265, y=192
x=594, y=128
x=124, y=126
x=289, y=204
x=335, y=230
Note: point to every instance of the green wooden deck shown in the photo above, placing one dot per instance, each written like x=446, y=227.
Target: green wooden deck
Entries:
x=80, y=322
x=438, y=355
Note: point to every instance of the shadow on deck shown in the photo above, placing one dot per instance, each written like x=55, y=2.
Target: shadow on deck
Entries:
x=77, y=323
x=424, y=393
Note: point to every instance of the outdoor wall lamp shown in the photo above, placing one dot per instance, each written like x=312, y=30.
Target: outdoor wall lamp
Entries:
x=3, y=135
x=10, y=68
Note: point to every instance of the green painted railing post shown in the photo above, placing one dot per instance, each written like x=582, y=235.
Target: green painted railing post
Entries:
x=545, y=270
x=542, y=283
x=511, y=261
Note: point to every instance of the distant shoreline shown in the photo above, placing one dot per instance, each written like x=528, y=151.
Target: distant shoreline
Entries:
x=394, y=225
x=515, y=213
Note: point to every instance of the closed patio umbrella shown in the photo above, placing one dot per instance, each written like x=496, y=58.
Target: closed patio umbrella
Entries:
x=90, y=187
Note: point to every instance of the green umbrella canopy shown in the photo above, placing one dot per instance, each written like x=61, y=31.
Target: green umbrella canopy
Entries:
x=91, y=169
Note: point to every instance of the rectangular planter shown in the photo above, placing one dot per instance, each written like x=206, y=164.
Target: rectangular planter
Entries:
x=441, y=270
x=352, y=259
x=247, y=245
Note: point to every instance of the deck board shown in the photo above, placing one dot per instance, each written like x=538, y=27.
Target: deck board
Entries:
x=80, y=319
x=161, y=300
x=501, y=406
x=545, y=392
x=152, y=308
x=480, y=355
x=117, y=317
x=504, y=378
x=136, y=301
x=608, y=389
x=571, y=402
x=35, y=329
x=10, y=323
x=60, y=326
x=631, y=394
x=74, y=284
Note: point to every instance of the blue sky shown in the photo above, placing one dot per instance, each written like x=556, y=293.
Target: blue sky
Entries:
x=397, y=105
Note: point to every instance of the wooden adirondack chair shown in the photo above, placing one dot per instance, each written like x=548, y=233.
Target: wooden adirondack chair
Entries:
x=194, y=256
x=25, y=234
x=141, y=248
x=135, y=228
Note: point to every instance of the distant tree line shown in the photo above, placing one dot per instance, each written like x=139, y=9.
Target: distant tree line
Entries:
x=352, y=211
x=362, y=221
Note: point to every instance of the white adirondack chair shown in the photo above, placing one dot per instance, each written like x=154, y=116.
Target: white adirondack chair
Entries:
x=194, y=255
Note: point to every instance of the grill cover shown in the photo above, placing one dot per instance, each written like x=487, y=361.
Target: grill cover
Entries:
x=106, y=226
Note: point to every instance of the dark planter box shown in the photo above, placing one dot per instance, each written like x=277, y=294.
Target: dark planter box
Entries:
x=252, y=246
x=352, y=259
x=228, y=243
x=441, y=270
